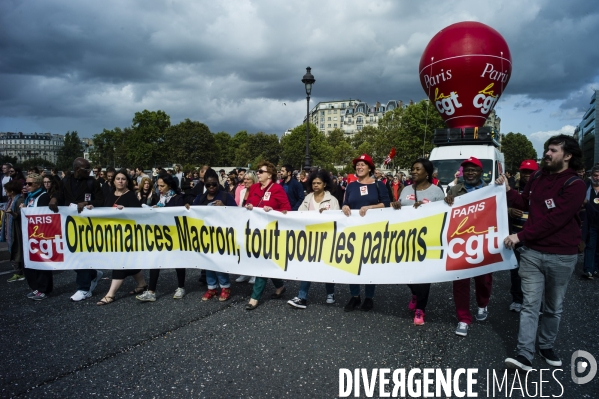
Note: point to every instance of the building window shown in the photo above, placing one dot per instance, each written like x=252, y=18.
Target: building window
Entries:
x=371, y=119
x=341, y=119
x=359, y=127
x=322, y=125
x=329, y=118
x=334, y=118
x=322, y=118
x=342, y=105
x=329, y=111
x=329, y=125
x=359, y=119
x=321, y=112
x=335, y=111
x=334, y=125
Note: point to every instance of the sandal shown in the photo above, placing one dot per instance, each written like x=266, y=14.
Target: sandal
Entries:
x=106, y=300
x=139, y=290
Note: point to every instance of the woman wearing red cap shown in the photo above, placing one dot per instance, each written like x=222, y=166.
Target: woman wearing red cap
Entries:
x=363, y=194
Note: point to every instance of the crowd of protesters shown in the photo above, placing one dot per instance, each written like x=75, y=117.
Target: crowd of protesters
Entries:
x=553, y=213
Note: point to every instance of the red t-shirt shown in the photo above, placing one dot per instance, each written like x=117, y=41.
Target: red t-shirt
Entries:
x=272, y=195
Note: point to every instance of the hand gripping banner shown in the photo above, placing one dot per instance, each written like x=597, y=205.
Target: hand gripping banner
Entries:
x=433, y=243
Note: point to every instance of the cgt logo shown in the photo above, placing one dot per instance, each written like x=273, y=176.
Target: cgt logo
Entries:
x=472, y=236
x=45, y=243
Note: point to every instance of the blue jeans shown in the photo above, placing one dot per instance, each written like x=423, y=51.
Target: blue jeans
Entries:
x=305, y=287
x=548, y=274
x=354, y=289
x=84, y=279
x=591, y=257
x=223, y=280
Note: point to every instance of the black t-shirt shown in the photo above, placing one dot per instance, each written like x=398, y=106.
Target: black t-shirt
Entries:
x=128, y=200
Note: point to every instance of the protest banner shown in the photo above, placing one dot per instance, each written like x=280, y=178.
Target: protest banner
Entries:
x=433, y=243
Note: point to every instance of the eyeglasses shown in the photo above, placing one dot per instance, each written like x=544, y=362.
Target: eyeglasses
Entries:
x=11, y=171
x=30, y=183
x=260, y=171
x=211, y=184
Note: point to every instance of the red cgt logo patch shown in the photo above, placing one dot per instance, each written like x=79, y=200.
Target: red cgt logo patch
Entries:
x=472, y=236
x=45, y=243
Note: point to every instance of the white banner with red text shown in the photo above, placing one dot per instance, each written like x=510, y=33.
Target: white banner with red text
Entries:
x=432, y=243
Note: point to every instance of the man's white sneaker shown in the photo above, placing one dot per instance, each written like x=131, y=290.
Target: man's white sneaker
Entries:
x=241, y=279
x=179, y=293
x=330, y=298
x=80, y=296
x=252, y=280
x=95, y=281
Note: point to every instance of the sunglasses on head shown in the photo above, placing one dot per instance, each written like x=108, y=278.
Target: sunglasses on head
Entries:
x=211, y=184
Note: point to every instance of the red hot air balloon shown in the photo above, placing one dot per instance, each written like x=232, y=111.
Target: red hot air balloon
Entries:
x=463, y=70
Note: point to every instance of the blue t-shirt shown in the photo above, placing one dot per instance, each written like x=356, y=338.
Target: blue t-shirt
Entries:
x=358, y=195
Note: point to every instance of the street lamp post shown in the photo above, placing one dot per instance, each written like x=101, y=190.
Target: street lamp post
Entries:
x=308, y=80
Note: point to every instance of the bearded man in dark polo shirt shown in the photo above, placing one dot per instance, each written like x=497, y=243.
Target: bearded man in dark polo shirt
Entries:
x=552, y=198
x=80, y=189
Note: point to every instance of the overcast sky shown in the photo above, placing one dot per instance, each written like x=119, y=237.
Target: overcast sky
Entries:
x=237, y=65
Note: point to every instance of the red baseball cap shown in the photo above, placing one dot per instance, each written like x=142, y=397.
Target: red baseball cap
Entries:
x=473, y=161
x=366, y=159
x=529, y=164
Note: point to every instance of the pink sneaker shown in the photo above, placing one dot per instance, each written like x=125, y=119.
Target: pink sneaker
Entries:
x=412, y=305
x=419, y=317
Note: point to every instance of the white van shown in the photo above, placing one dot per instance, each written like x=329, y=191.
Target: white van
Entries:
x=449, y=155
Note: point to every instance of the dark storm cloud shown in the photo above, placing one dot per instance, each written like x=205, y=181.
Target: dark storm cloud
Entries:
x=232, y=64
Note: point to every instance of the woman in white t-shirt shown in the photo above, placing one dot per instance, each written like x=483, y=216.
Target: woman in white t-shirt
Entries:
x=319, y=199
x=420, y=192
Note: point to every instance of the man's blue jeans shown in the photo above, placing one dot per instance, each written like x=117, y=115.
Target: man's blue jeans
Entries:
x=548, y=274
x=211, y=280
x=305, y=287
x=591, y=257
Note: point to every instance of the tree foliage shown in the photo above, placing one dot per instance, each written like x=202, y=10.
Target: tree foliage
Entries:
x=294, y=147
x=516, y=147
x=8, y=159
x=109, y=148
x=410, y=131
x=261, y=146
x=190, y=142
x=224, y=155
x=144, y=140
x=39, y=162
x=72, y=148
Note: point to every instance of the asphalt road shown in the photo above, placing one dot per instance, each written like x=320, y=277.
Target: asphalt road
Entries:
x=188, y=348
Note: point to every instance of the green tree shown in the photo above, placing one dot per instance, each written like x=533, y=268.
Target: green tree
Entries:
x=72, y=148
x=294, y=147
x=516, y=147
x=225, y=153
x=190, y=142
x=144, y=140
x=40, y=162
x=342, y=150
x=8, y=159
x=410, y=131
x=109, y=148
x=261, y=146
